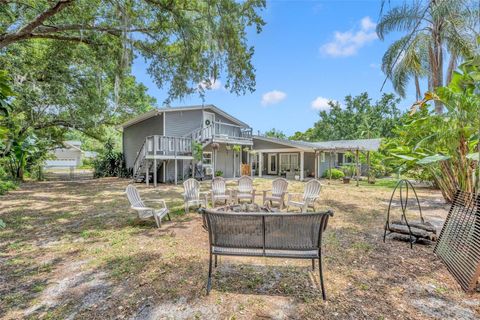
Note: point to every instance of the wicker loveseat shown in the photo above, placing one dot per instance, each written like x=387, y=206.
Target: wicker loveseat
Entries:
x=280, y=235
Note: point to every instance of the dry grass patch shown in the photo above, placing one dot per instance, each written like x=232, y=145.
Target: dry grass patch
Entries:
x=74, y=250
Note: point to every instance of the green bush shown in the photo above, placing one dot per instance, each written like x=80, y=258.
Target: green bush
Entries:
x=6, y=186
x=336, y=174
x=111, y=163
x=219, y=173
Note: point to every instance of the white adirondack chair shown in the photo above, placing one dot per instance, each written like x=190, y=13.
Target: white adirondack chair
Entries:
x=220, y=192
x=278, y=192
x=144, y=211
x=192, y=194
x=310, y=194
x=245, y=189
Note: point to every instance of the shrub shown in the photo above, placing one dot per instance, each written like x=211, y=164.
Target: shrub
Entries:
x=6, y=186
x=111, y=163
x=219, y=173
x=336, y=174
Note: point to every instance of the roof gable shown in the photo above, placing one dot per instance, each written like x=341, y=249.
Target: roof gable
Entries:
x=158, y=111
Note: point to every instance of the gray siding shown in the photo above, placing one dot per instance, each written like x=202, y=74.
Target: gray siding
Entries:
x=181, y=123
x=225, y=159
x=260, y=144
x=220, y=118
x=134, y=136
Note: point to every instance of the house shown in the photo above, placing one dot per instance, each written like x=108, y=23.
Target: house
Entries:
x=69, y=156
x=158, y=145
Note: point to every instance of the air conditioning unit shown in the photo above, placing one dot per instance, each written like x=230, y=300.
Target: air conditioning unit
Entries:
x=208, y=171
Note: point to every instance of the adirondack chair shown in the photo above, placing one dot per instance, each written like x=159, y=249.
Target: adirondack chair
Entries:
x=278, y=192
x=220, y=191
x=192, y=194
x=310, y=194
x=245, y=189
x=137, y=204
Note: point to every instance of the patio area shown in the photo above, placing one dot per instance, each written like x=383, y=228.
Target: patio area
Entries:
x=75, y=250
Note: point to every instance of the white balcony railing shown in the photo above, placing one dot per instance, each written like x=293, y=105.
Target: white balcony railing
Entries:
x=168, y=146
x=222, y=131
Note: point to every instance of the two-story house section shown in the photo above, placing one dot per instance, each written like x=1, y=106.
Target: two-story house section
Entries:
x=158, y=143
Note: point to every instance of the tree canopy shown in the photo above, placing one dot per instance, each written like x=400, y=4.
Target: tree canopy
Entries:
x=185, y=42
x=359, y=118
x=434, y=31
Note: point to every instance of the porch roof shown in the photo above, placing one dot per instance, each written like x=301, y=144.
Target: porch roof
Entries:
x=334, y=145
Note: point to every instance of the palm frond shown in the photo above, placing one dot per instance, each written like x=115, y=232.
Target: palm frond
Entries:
x=401, y=18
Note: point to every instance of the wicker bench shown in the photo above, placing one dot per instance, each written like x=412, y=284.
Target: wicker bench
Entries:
x=278, y=235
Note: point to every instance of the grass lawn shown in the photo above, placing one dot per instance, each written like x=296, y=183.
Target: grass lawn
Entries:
x=74, y=250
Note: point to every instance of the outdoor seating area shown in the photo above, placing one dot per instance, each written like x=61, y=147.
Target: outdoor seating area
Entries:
x=278, y=196
x=102, y=249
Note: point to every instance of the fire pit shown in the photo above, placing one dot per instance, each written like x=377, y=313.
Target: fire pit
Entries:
x=244, y=207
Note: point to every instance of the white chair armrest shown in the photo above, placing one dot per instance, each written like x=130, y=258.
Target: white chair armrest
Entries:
x=293, y=194
x=159, y=201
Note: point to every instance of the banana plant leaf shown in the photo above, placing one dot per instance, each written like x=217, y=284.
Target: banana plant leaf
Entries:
x=404, y=157
x=433, y=159
x=473, y=156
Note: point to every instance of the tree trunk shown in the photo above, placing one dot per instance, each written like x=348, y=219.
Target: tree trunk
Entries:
x=418, y=93
x=452, y=65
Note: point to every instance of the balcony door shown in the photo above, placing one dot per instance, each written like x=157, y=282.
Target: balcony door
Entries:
x=272, y=163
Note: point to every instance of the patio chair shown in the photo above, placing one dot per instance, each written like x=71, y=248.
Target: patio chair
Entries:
x=192, y=194
x=245, y=189
x=277, y=194
x=144, y=212
x=310, y=194
x=220, y=192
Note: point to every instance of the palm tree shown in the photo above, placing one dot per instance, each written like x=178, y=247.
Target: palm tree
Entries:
x=436, y=30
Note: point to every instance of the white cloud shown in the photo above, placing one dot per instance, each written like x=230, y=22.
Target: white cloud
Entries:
x=349, y=42
x=211, y=84
x=321, y=103
x=374, y=66
x=273, y=97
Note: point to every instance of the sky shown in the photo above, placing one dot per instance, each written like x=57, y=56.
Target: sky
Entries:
x=308, y=53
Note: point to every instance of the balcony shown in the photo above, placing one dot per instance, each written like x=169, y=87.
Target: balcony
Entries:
x=163, y=147
x=224, y=133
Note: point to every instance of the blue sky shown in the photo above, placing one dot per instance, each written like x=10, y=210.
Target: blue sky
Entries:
x=308, y=53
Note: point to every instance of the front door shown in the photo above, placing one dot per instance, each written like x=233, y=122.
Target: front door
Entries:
x=272, y=163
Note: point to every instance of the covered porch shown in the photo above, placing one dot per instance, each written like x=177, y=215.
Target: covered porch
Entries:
x=300, y=160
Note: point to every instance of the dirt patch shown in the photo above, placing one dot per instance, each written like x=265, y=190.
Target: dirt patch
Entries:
x=73, y=250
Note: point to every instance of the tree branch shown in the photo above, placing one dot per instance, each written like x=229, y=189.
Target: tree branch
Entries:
x=50, y=12
x=26, y=31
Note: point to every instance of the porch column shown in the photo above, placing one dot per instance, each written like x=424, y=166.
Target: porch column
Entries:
x=330, y=166
x=234, y=162
x=155, y=173
x=176, y=170
x=316, y=164
x=241, y=162
x=302, y=158
x=251, y=159
x=147, y=173
x=260, y=164
x=356, y=166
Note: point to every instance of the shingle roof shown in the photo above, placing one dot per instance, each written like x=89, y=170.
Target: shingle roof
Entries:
x=334, y=145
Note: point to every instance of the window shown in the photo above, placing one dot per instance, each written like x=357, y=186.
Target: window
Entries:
x=288, y=162
x=207, y=158
x=322, y=156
